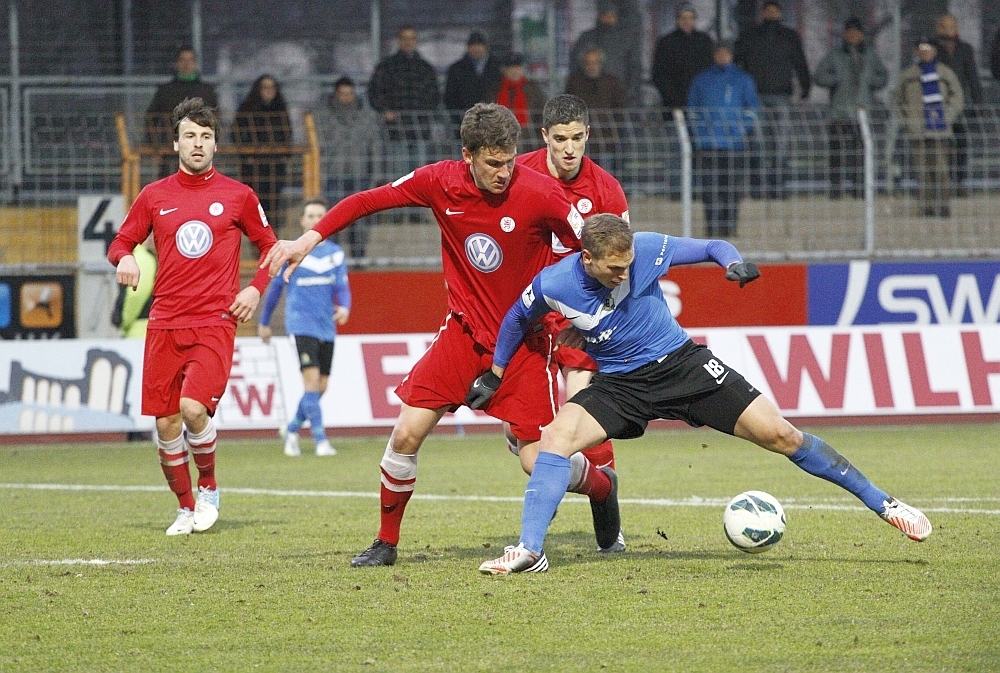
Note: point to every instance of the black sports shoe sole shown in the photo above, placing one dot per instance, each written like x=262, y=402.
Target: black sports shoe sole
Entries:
x=607, y=518
x=379, y=554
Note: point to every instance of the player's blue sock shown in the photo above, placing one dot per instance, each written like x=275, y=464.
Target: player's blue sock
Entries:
x=545, y=490
x=820, y=459
x=310, y=407
x=299, y=419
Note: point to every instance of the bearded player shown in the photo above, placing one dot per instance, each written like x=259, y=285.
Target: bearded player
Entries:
x=497, y=224
x=197, y=217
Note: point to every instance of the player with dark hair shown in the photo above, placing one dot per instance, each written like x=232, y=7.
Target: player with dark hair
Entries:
x=197, y=217
x=565, y=130
x=319, y=299
x=497, y=222
x=649, y=369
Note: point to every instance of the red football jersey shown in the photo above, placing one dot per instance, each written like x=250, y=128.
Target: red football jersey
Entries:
x=197, y=223
x=492, y=245
x=592, y=191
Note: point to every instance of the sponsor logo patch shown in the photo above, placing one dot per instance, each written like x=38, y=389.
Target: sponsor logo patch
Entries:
x=193, y=239
x=483, y=252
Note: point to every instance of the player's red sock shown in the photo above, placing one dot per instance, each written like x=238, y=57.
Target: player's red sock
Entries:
x=203, y=449
x=602, y=455
x=174, y=463
x=393, y=504
x=399, y=474
x=592, y=482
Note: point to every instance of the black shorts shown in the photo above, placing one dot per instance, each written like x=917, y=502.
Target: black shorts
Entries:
x=315, y=353
x=690, y=385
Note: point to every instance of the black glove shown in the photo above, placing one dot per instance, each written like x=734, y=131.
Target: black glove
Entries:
x=743, y=272
x=482, y=390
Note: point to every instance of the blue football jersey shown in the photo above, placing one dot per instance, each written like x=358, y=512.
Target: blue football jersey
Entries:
x=317, y=286
x=625, y=327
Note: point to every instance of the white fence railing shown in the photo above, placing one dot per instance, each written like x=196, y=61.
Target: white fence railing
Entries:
x=797, y=186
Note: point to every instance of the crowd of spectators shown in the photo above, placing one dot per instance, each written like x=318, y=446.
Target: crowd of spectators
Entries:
x=726, y=89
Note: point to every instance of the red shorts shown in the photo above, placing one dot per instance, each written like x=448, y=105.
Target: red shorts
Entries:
x=192, y=362
x=554, y=323
x=527, y=398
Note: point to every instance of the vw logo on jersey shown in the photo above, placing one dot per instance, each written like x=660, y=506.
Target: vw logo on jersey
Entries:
x=216, y=209
x=584, y=206
x=484, y=253
x=507, y=224
x=193, y=239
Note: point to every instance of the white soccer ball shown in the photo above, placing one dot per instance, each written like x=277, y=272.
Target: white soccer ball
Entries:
x=754, y=521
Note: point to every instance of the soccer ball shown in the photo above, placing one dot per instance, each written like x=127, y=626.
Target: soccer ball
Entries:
x=754, y=521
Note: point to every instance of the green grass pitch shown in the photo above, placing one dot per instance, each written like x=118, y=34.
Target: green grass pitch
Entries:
x=89, y=581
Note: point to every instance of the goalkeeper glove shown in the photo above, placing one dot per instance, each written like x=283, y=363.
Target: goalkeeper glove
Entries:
x=743, y=272
x=482, y=390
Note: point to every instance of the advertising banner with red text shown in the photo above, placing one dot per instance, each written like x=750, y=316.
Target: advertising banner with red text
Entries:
x=878, y=371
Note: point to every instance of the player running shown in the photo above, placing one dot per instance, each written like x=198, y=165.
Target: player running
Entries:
x=196, y=217
x=649, y=368
x=497, y=225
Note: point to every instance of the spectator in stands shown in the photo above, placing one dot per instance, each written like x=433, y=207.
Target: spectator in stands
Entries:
x=404, y=89
x=772, y=54
x=852, y=72
x=603, y=93
x=929, y=98
x=619, y=46
x=679, y=56
x=185, y=84
x=350, y=137
x=262, y=120
x=723, y=101
x=960, y=57
x=472, y=79
x=404, y=84
x=519, y=94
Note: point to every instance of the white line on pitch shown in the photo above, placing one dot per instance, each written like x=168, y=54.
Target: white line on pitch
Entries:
x=82, y=562
x=692, y=501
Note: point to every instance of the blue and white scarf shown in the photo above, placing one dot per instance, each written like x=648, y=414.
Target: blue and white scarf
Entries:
x=930, y=82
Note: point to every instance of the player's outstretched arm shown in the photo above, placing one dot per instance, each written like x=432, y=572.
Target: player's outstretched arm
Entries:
x=291, y=252
x=723, y=253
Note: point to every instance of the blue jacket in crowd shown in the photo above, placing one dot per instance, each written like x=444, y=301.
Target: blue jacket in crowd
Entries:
x=722, y=106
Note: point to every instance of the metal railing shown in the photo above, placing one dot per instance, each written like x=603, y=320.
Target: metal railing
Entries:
x=789, y=204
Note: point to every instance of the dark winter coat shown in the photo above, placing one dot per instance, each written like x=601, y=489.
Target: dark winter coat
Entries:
x=963, y=63
x=771, y=53
x=852, y=75
x=166, y=98
x=464, y=87
x=404, y=82
x=678, y=57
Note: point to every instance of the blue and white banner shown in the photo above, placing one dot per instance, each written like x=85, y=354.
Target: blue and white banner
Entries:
x=920, y=293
